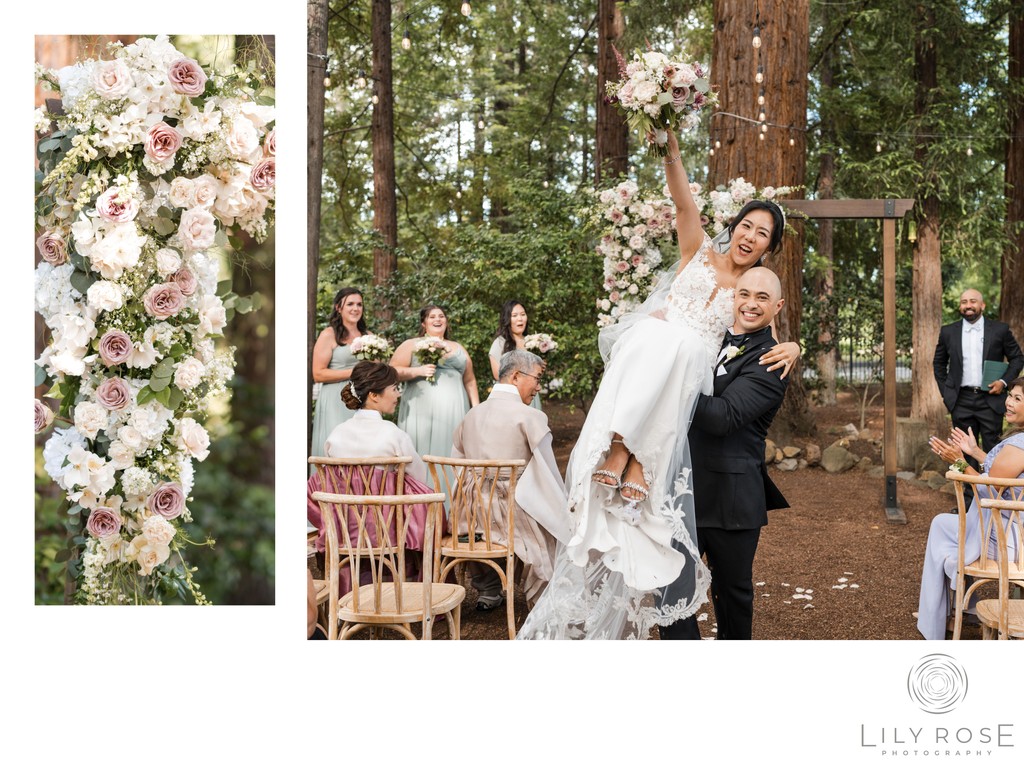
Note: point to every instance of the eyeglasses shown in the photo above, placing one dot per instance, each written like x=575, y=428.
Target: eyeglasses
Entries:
x=535, y=377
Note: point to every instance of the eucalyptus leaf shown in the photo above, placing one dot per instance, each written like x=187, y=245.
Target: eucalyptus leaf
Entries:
x=74, y=510
x=158, y=386
x=176, y=350
x=74, y=568
x=223, y=287
x=176, y=398
x=41, y=376
x=63, y=555
x=82, y=281
x=164, y=396
x=146, y=394
x=163, y=226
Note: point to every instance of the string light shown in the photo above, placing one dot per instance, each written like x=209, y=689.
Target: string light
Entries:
x=375, y=99
x=712, y=152
x=761, y=117
x=406, y=41
x=792, y=142
x=878, y=148
x=764, y=128
x=480, y=124
x=718, y=144
x=545, y=184
x=756, y=42
x=361, y=79
x=761, y=136
x=458, y=192
x=759, y=77
x=467, y=9
x=970, y=151
x=327, y=81
x=760, y=100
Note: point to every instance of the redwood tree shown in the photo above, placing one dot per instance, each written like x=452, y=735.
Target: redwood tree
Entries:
x=779, y=159
x=611, y=153
x=385, y=214
x=316, y=70
x=1011, y=302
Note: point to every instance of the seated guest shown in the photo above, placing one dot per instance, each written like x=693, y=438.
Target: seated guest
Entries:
x=506, y=427
x=372, y=392
x=1005, y=461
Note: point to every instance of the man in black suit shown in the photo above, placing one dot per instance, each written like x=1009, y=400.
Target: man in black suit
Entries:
x=964, y=346
x=731, y=488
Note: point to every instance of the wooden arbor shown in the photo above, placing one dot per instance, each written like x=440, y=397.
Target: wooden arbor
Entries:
x=889, y=210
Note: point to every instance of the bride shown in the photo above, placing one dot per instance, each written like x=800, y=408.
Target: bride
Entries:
x=632, y=561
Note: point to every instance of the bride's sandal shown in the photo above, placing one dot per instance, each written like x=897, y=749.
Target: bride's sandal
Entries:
x=638, y=493
x=616, y=478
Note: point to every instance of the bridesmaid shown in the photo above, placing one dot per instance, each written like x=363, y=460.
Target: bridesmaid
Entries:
x=431, y=411
x=511, y=335
x=333, y=362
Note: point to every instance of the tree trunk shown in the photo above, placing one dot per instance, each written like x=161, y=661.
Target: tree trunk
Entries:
x=385, y=210
x=316, y=70
x=771, y=161
x=611, y=150
x=824, y=283
x=926, y=403
x=1011, y=302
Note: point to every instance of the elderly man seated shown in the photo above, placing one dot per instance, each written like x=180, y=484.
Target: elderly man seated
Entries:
x=505, y=427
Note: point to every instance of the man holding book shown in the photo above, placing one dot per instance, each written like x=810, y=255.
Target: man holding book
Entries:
x=973, y=361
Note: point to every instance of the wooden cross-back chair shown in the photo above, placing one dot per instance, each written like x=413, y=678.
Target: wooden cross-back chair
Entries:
x=986, y=567
x=478, y=491
x=1003, y=615
x=389, y=600
x=380, y=475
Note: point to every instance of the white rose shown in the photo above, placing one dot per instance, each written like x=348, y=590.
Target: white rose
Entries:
x=242, y=140
x=105, y=296
x=645, y=91
x=205, y=190
x=119, y=249
x=111, y=79
x=188, y=373
x=84, y=233
x=120, y=455
x=148, y=556
x=182, y=193
x=158, y=530
x=131, y=439
x=212, y=317
x=67, y=362
x=193, y=438
x=167, y=261
x=90, y=417
x=197, y=229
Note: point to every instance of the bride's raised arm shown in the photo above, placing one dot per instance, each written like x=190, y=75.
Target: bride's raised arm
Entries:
x=688, y=227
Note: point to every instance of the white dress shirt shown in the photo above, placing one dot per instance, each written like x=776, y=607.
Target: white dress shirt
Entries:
x=972, y=339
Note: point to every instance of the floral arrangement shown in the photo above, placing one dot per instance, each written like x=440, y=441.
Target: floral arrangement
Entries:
x=721, y=205
x=152, y=163
x=540, y=342
x=430, y=351
x=374, y=348
x=635, y=228
x=657, y=94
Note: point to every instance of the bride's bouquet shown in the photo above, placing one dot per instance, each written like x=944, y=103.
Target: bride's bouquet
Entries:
x=430, y=351
x=657, y=95
x=373, y=348
x=540, y=343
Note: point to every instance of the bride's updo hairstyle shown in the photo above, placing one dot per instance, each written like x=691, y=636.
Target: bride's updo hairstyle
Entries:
x=367, y=378
x=778, y=221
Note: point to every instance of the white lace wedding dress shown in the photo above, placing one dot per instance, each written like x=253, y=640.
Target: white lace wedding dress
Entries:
x=615, y=578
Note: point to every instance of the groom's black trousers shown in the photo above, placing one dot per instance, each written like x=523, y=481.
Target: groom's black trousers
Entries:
x=730, y=557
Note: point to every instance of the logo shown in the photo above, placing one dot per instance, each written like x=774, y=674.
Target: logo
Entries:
x=937, y=683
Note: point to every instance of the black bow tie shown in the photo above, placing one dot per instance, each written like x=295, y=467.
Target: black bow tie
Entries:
x=734, y=340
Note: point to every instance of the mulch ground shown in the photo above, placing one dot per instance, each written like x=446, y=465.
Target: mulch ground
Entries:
x=829, y=567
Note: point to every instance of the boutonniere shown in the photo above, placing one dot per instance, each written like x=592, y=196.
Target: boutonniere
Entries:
x=727, y=354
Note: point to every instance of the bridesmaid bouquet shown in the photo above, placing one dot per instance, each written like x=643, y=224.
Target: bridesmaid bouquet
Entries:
x=431, y=351
x=657, y=94
x=540, y=343
x=373, y=348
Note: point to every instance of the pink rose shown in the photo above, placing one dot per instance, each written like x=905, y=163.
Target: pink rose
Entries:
x=185, y=280
x=197, y=229
x=114, y=394
x=270, y=144
x=52, y=248
x=621, y=266
x=167, y=500
x=162, y=141
x=111, y=208
x=187, y=78
x=163, y=300
x=614, y=296
x=263, y=175
x=44, y=416
x=103, y=522
x=115, y=347
x=636, y=260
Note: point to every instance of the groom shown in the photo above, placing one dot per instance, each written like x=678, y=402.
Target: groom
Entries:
x=731, y=489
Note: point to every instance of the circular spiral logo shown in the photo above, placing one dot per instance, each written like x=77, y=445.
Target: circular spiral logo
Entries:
x=937, y=683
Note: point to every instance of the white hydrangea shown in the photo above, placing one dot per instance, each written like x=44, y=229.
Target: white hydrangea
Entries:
x=56, y=450
x=54, y=293
x=137, y=481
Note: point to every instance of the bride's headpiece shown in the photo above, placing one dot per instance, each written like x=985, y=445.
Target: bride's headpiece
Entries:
x=352, y=388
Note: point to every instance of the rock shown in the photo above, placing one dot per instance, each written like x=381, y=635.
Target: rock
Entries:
x=937, y=482
x=778, y=455
x=787, y=464
x=911, y=433
x=837, y=459
x=801, y=463
x=865, y=463
x=769, y=451
x=926, y=460
x=928, y=475
x=844, y=443
x=850, y=430
x=791, y=451
x=876, y=471
x=906, y=475
x=813, y=454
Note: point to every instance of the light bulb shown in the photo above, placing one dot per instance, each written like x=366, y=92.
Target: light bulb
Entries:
x=466, y=9
x=718, y=144
x=406, y=41
x=761, y=117
x=327, y=81
x=792, y=142
x=761, y=136
x=760, y=100
x=970, y=152
x=764, y=128
x=756, y=42
x=458, y=194
x=878, y=147
x=545, y=184
x=712, y=152
x=361, y=79
x=759, y=77
x=375, y=99
x=480, y=124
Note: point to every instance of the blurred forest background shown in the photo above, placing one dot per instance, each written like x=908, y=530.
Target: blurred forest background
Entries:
x=232, y=501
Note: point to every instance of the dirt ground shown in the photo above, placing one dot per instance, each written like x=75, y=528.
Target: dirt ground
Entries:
x=829, y=567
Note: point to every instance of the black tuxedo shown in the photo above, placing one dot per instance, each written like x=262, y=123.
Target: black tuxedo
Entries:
x=731, y=488
x=969, y=408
